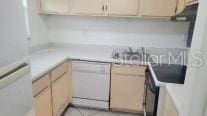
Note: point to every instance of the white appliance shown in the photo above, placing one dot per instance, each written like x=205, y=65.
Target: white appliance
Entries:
x=91, y=82
x=15, y=82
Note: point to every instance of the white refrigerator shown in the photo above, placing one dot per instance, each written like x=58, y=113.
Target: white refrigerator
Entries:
x=16, y=97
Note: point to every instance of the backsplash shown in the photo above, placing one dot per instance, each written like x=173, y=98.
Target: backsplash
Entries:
x=117, y=31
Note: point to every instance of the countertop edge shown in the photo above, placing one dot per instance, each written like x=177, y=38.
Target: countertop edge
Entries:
x=39, y=75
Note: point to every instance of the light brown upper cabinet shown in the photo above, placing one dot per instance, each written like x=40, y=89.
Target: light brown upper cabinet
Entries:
x=92, y=7
x=54, y=6
x=105, y=7
x=122, y=7
x=158, y=8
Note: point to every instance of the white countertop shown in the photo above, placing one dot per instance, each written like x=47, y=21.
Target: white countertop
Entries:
x=45, y=60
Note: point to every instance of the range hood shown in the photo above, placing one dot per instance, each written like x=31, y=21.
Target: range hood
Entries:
x=188, y=15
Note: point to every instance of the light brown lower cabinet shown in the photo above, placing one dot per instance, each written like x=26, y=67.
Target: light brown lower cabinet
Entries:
x=169, y=107
x=60, y=94
x=43, y=106
x=127, y=92
x=53, y=92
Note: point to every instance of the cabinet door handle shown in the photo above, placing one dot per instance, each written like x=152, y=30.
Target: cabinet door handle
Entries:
x=106, y=7
x=103, y=8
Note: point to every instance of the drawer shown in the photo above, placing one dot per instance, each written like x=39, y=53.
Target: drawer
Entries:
x=40, y=84
x=60, y=70
x=129, y=70
x=91, y=67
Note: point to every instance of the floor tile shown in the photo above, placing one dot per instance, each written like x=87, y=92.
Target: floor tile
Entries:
x=93, y=112
x=72, y=112
x=88, y=112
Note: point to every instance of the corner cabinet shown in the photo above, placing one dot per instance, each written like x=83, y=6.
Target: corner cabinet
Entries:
x=127, y=88
x=53, y=92
x=54, y=6
x=158, y=8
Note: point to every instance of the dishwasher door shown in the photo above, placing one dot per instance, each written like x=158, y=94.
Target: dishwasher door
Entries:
x=91, y=82
x=91, y=86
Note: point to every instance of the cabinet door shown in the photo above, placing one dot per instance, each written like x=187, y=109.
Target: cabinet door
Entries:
x=122, y=7
x=43, y=105
x=169, y=108
x=60, y=94
x=127, y=92
x=57, y=6
x=158, y=8
x=93, y=7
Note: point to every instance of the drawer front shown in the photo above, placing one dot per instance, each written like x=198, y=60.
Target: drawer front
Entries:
x=129, y=70
x=93, y=67
x=60, y=70
x=40, y=84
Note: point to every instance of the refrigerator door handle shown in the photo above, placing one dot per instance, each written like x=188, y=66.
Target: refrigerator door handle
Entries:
x=14, y=75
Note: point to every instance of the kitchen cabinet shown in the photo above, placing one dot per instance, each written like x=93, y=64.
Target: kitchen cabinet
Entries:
x=122, y=7
x=60, y=88
x=53, y=91
x=92, y=7
x=43, y=105
x=54, y=6
x=42, y=96
x=158, y=8
x=105, y=7
x=127, y=88
x=169, y=107
x=60, y=95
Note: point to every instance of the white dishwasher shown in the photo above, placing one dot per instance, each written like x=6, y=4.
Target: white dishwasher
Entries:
x=91, y=82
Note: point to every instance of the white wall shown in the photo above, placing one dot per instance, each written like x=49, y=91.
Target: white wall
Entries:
x=37, y=24
x=116, y=31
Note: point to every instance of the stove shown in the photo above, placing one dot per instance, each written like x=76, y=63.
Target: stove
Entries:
x=165, y=73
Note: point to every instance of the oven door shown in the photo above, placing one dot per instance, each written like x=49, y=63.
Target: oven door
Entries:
x=151, y=95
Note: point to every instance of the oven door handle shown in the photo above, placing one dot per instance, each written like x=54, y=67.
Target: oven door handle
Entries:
x=148, y=82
